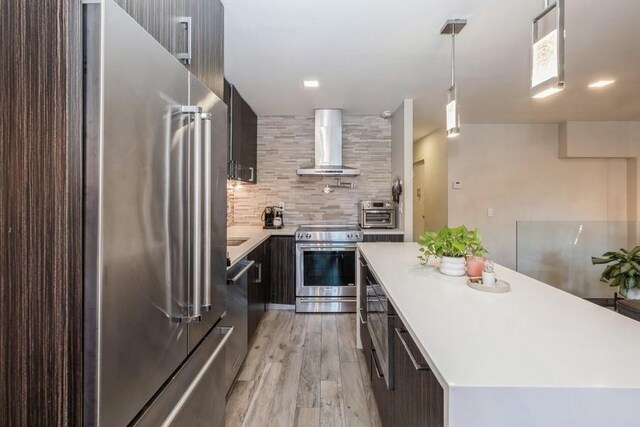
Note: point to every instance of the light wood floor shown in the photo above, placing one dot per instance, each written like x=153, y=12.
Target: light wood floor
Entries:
x=303, y=370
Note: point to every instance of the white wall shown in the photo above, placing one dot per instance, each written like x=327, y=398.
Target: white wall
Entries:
x=515, y=170
x=402, y=163
x=434, y=150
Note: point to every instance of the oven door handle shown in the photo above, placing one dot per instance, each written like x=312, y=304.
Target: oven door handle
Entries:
x=327, y=248
x=379, y=211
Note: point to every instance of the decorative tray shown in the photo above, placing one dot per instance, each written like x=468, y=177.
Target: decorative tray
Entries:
x=500, y=287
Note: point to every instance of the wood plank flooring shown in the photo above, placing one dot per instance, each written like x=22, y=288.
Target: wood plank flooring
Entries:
x=303, y=370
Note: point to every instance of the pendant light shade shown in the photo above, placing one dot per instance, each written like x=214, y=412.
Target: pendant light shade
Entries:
x=453, y=27
x=453, y=113
x=547, y=51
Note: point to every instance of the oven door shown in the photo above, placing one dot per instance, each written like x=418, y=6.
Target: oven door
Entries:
x=378, y=218
x=325, y=270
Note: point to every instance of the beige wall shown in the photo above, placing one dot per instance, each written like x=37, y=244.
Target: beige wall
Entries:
x=402, y=163
x=433, y=149
x=606, y=140
x=515, y=170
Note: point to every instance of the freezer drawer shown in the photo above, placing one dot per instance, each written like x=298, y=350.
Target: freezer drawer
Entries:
x=194, y=396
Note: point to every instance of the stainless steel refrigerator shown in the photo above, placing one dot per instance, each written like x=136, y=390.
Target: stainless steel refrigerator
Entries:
x=155, y=231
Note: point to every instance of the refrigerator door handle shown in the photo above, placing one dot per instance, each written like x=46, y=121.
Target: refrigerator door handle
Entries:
x=193, y=312
x=207, y=143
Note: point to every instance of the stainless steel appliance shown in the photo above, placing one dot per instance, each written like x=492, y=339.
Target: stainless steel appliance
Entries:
x=379, y=313
x=237, y=317
x=328, y=146
x=268, y=215
x=155, y=232
x=272, y=217
x=377, y=214
x=326, y=268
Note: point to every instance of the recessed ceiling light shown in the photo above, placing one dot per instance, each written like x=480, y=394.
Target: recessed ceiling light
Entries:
x=311, y=83
x=601, y=83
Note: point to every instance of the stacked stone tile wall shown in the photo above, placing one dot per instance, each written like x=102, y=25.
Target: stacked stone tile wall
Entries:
x=286, y=143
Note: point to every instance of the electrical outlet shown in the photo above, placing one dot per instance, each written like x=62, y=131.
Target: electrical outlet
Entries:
x=457, y=185
x=490, y=212
x=281, y=205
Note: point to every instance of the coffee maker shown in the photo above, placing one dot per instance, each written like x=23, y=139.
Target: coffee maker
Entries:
x=272, y=217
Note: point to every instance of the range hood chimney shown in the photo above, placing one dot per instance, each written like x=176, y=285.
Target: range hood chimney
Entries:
x=328, y=146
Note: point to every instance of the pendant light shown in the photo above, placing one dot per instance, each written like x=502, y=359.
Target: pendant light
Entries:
x=453, y=27
x=547, y=51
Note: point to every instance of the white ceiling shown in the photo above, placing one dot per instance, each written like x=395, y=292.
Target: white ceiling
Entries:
x=370, y=54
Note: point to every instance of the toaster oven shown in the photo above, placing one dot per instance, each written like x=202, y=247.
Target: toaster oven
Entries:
x=377, y=214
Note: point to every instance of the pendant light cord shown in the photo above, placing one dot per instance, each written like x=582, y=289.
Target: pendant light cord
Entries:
x=453, y=55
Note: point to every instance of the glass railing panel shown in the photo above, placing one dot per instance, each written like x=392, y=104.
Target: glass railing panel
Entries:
x=559, y=252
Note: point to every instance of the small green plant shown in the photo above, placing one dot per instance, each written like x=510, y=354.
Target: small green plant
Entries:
x=623, y=270
x=450, y=242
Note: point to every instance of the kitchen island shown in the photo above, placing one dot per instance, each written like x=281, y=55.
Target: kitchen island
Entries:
x=536, y=356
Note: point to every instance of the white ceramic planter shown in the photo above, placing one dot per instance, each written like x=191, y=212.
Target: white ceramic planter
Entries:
x=452, y=266
x=633, y=293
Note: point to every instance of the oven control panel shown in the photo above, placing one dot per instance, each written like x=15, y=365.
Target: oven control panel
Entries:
x=329, y=236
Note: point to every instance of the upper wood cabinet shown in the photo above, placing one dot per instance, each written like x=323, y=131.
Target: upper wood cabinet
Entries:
x=243, y=137
x=207, y=42
x=163, y=19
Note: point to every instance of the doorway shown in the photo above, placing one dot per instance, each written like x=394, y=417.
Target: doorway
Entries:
x=418, y=199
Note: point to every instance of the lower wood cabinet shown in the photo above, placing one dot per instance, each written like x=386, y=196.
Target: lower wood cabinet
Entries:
x=283, y=270
x=383, y=238
x=258, y=286
x=418, y=395
x=417, y=399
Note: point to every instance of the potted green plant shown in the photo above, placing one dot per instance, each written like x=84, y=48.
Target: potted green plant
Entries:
x=623, y=271
x=452, y=245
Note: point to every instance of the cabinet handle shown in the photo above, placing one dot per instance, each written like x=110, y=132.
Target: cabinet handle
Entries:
x=185, y=57
x=363, y=262
x=418, y=366
x=252, y=173
x=237, y=277
x=362, y=322
x=259, y=267
x=375, y=363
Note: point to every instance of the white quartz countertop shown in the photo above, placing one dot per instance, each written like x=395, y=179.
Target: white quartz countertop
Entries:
x=536, y=356
x=255, y=235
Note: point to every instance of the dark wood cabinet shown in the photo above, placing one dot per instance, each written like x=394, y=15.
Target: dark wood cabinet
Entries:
x=161, y=18
x=418, y=394
x=258, y=285
x=383, y=238
x=283, y=270
x=243, y=138
x=207, y=47
x=385, y=398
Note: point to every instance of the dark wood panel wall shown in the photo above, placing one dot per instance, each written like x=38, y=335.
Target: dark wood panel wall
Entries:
x=40, y=213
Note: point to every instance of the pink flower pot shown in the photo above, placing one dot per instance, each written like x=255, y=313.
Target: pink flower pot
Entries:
x=475, y=266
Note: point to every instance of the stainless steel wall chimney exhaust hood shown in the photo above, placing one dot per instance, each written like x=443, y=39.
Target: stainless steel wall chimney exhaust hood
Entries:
x=328, y=146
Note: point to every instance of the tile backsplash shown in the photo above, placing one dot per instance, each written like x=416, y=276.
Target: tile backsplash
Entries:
x=286, y=143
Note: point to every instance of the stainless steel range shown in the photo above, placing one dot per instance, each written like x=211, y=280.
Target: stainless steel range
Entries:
x=326, y=268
